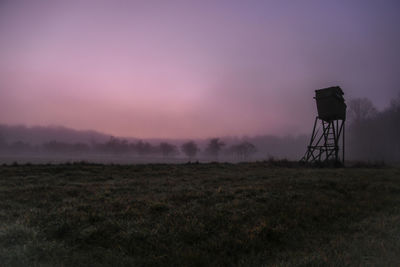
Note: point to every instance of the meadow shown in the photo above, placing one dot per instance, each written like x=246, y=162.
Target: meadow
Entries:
x=215, y=214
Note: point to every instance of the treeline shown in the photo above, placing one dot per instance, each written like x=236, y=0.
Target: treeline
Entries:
x=37, y=135
x=372, y=134
x=214, y=149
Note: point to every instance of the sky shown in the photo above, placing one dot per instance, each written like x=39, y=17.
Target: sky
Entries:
x=192, y=69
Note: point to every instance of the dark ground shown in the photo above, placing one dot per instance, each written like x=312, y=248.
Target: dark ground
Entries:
x=250, y=214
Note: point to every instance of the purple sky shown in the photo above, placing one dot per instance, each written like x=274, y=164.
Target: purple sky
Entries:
x=192, y=68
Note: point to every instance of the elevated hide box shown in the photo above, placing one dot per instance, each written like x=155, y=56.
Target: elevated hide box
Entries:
x=330, y=104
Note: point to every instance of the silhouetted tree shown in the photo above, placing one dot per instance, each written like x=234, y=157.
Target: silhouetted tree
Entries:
x=143, y=148
x=55, y=146
x=80, y=147
x=361, y=109
x=116, y=145
x=243, y=150
x=214, y=147
x=168, y=149
x=190, y=149
x=373, y=135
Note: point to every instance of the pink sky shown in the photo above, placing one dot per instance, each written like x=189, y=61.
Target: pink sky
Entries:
x=191, y=68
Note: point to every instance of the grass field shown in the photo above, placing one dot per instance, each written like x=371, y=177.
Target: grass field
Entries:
x=250, y=214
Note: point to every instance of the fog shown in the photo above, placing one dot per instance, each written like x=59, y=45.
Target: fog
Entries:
x=371, y=135
x=57, y=144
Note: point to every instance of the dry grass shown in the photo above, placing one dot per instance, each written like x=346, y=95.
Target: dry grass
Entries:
x=198, y=215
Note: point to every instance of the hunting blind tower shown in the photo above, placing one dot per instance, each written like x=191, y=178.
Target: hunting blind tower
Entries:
x=327, y=137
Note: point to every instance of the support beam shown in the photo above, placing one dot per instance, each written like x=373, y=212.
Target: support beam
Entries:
x=324, y=145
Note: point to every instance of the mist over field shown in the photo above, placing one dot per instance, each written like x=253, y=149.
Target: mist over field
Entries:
x=58, y=144
x=372, y=135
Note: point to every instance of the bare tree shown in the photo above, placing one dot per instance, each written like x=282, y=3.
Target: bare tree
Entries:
x=116, y=145
x=361, y=109
x=243, y=150
x=143, y=148
x=214, y=147
x=190, y=149
x=168, y=149
x=373, y=135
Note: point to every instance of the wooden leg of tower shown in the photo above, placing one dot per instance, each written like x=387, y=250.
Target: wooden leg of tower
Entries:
x=343, y=144
x=310, y=152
